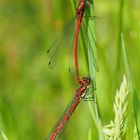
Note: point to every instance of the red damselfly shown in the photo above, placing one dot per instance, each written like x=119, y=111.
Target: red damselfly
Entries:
x=80, y=10
x=80, y=94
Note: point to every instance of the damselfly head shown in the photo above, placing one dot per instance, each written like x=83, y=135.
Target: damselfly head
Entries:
x=86, y=80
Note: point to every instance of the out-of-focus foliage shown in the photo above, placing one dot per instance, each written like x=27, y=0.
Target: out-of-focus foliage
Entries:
x=32, y=96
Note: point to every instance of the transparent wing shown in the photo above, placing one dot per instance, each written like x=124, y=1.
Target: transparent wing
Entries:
x=63, y=41
x=91, y=39
x=91, y=46
x=72, y=102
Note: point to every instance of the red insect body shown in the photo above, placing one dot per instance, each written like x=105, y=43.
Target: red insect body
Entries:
x=80, y=12
x=80, y=94
x=85, y=82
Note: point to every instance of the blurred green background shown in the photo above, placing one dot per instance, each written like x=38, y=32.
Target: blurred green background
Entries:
x=32, y=96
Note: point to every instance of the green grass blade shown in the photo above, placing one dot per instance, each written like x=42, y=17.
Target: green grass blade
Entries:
x=89, y=134
x=92, y=49
x=3, y=136
x=92, y=58
x=134, y=98
x=73, y=5
x=92, y=61
x=120, y=26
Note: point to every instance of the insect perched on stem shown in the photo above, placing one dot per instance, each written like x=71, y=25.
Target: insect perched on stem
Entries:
x=83, y=91
x=80, y=10
x=80, y=94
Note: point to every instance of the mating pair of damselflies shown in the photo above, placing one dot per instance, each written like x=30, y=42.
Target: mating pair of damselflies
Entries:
x=83, y=91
